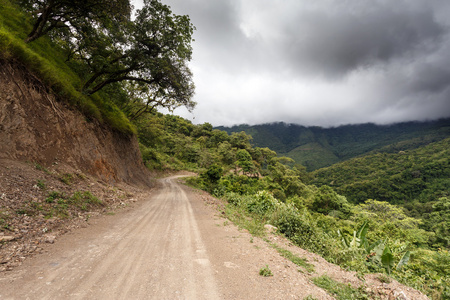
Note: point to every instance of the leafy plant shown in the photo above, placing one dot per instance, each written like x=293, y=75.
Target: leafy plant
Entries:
x=265, y=271
x=41, y=184
x=359, y=239
x=41, y=168
x=54, y=195
x=66, y=178
x=384, y=279
x=4, y=224
x=84, y=199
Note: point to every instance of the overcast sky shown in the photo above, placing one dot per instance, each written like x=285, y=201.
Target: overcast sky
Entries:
x=321, y=62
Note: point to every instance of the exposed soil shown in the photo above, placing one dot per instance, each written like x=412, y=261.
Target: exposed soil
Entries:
x=27, y=220
x=36, y=127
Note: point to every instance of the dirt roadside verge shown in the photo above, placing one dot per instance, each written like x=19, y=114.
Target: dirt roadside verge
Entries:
x=37, y=206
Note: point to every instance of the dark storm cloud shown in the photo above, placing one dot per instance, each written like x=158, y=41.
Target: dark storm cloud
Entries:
x=321, y=62
x=335, y=43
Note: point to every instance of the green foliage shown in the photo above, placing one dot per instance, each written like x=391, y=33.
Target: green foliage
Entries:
x=83, y=200
x=54, y=195
x=148, y=56
x=61, y=205
x=385, y=238
x=41, y=184
x=316, y=147
x=47, y=62
x=359, y=238
x=339, y=290
x=60, y=15
x=4, y=221
x=391, y=220
x=239, y=216
x=288, y=220
x=439, y=222
x=214, y=173
x=265, y=271
x=301, y=262
x=67, y=178
x=421, y=174
x=327, y=201
x=244, y=161
x=161, y=79
x=427, y=271
x=378, y=252
x=387, y=259
x=262, y=203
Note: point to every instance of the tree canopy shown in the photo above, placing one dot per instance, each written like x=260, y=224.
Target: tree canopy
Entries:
x=74, y=15
x=147, y=58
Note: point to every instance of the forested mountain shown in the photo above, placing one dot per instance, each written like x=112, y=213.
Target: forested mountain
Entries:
x=316, y=147
x=400, y=177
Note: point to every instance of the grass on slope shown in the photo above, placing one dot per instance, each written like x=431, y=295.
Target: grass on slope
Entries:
x=47, y=63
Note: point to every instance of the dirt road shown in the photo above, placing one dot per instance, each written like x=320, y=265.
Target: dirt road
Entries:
x=169, y=246
x=155, y=252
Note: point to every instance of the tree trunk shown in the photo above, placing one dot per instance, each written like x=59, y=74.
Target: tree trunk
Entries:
x=39, y=25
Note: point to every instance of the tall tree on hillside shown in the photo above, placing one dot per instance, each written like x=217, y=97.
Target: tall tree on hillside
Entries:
x=73, y=15
x=149, y=55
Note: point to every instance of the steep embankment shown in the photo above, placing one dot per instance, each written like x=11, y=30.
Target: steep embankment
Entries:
x=57, y=169
x=34, y=126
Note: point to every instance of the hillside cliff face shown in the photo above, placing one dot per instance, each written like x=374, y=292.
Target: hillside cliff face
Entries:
x=35, y=126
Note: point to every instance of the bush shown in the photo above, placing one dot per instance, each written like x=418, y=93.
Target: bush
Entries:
x=327, y=201
x=288, y=221
x=262, y=203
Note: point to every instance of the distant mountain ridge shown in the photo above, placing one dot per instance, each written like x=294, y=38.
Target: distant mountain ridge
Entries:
x=316, y=147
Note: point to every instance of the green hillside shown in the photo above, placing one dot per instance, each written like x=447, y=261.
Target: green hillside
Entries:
x=316, y=147
x=402, y=177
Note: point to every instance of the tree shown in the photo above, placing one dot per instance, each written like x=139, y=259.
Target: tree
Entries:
x=240, y=140
x=149, y=56
x=227, y=155
x=214, y=173
x=244, y=160
x=326, y=201
x=74, y=15
x=440, y=221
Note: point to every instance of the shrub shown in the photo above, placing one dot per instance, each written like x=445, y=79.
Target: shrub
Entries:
x=262, y=203
x=265, y=271
x=288, y=221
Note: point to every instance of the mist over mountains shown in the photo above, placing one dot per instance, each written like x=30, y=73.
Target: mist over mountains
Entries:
x=317, y=147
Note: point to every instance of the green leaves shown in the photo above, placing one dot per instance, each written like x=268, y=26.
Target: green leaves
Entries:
x=387, y=259
x=404, y=260
x=359, y=238
x=379, y=251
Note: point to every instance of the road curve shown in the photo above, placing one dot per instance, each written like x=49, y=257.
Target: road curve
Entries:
x=154, y=252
